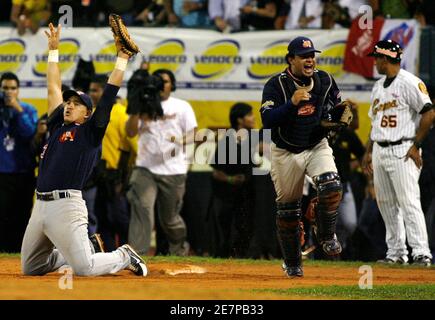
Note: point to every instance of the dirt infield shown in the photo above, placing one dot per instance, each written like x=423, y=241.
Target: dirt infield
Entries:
x=223, y=280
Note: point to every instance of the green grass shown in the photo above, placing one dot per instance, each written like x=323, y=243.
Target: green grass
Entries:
x=311, y=263
x=384, y=292
x=209, y=260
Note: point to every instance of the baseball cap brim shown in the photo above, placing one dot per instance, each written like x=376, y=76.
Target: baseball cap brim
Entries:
x=305, y=51
x=84, y=98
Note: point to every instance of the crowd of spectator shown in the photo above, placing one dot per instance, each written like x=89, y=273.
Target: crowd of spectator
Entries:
x=222, y=15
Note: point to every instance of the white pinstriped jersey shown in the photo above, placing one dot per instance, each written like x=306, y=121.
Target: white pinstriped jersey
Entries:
x=394, y=111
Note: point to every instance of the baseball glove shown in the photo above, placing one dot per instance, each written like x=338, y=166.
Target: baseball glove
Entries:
x=123, y=41
x=340, y=116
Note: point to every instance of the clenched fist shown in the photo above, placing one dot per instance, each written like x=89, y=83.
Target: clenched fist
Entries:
x=300, y=95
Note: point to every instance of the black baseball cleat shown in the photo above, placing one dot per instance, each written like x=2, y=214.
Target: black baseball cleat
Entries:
x=293, y=271
x=97, y=242
x=331, y=247
x=421, y=260
x=137, y=264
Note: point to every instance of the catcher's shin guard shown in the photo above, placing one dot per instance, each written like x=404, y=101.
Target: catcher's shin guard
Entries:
x=288, y=230
x=329, y=191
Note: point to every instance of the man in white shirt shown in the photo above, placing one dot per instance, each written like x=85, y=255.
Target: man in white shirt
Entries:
x=304, y=14
x=158, y=180
x=226, y=14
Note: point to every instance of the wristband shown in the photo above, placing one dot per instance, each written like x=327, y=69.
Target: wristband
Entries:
x=53, y=56
x=121, y=64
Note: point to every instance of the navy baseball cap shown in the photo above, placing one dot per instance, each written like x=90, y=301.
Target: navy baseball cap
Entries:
x=388, y=48
x=86, y=100
x=300, y=46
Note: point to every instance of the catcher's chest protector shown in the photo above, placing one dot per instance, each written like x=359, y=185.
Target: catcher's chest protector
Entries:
x=304, y=130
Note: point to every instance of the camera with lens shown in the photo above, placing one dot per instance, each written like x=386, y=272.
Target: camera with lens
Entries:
x=143, y=94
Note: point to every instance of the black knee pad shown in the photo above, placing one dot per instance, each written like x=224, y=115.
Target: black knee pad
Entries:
x=329, y=191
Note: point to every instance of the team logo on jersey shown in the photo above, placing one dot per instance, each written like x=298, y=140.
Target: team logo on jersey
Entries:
x=268, y=104
x=67, y=136
x=383, y=106
x=306, y=110
x=423, y=88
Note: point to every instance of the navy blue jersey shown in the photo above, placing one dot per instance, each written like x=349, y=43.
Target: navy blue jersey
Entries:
x=297, y=128
x=72, y=150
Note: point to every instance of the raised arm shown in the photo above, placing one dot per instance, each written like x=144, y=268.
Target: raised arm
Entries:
x=54, y=84
x=101, y=115
x=117, y=74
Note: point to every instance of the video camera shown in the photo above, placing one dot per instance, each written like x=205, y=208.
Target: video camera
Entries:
x=143, y=94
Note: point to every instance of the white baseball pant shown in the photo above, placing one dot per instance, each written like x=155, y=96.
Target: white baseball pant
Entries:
x=63, y=224
x=398, y=198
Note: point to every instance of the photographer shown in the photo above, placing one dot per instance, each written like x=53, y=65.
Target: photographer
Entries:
x=165, y=125
x=17, y=178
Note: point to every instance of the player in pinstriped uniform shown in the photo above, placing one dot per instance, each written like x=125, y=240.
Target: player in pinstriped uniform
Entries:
x=401, y=114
